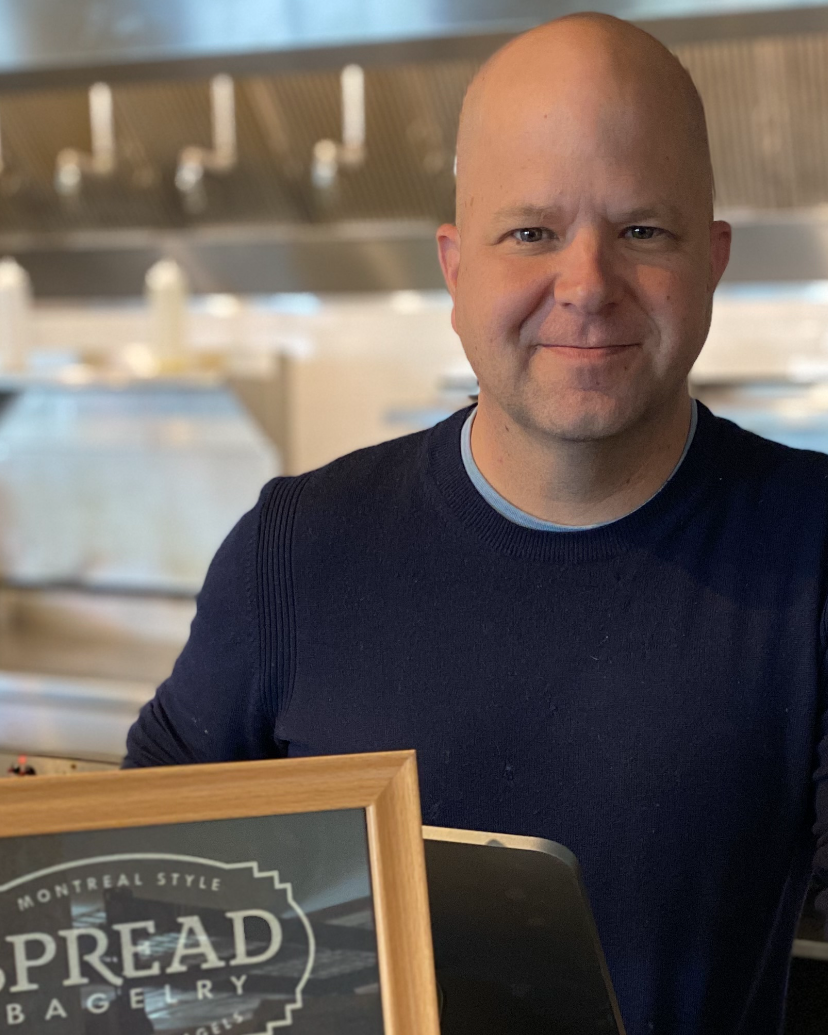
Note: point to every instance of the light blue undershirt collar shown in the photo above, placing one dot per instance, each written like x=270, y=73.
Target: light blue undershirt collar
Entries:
x=520, y=517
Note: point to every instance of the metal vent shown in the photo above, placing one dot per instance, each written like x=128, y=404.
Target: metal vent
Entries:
x=411, y=115
x=767, y=111
x=266, y=227
x=766, y=101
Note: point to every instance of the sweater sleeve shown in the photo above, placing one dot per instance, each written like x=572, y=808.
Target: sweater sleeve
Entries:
x=215, y=705
x=820, y=864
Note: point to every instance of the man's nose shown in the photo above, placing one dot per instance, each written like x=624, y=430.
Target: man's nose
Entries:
x=586, y=279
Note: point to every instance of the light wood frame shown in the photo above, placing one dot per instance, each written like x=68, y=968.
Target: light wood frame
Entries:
x=383, y=784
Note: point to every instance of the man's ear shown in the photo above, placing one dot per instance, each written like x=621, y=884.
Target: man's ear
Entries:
x=448, y=247
x=721, y=235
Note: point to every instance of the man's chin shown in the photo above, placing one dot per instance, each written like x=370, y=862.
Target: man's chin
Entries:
x=582, y=420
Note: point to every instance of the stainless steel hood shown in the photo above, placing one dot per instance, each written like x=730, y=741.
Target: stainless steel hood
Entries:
x=40, y=36
x=762, y=71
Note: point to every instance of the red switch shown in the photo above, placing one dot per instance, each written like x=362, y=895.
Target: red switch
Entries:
x=21, y=767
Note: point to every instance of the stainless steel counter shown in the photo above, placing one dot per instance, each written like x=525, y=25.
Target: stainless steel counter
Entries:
x=76, y=667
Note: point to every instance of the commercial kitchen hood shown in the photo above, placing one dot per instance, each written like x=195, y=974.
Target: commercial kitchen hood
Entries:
x=41, y=36
x=264, y=227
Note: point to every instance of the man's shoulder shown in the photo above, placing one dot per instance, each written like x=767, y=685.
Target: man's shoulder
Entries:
x=372, y=465
x=372, y=477
x=773, y=489
x=745, y=453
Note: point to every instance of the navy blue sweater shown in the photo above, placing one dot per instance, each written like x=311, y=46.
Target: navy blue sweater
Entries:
x=649, y=693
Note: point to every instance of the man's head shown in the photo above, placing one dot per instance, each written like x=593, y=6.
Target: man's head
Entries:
x=585, y=254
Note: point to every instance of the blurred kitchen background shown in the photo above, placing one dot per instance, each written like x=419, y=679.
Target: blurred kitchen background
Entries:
x=217, y=221
x=218, y=265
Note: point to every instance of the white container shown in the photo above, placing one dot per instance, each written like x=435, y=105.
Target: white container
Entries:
x=15, y=315
x=166, y=293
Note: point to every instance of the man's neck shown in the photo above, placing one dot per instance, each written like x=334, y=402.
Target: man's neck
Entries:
x=578, y=483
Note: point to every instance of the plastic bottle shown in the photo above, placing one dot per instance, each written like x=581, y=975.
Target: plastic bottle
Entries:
x=15, y=315
x=166, y=293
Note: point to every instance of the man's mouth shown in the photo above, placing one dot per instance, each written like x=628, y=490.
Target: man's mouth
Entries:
x=588, y=352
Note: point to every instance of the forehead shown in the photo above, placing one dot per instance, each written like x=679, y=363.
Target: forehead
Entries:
x=542, y=140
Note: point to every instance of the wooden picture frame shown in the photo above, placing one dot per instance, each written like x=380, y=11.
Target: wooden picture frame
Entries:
x=384, y=785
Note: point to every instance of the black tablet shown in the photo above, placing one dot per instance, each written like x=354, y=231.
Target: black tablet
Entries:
x=515, y=944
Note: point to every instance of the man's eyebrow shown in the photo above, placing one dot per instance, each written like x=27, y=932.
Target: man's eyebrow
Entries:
x=530, y=215
x=647, y=213
x=524, y=213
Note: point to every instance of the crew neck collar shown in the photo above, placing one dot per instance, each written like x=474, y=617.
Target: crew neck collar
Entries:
x=648, y=523
x=522, y=517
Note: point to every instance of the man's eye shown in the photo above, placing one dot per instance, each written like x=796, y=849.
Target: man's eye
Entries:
x=530, y=234
x=643, y=233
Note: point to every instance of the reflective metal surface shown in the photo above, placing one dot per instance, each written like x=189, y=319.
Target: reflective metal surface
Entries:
x=776, y=247
x=42, y=35
x=48, y=765
x=75, y=668
x=515, y=946
x=376, y=255
x=795, y=415
x=264, y=226
x=69, y=718
x=73, y=459
x=372, y=255
x=764, y=99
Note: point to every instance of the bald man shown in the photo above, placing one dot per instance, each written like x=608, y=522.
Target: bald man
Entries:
x=597, y=611
x=582, y=265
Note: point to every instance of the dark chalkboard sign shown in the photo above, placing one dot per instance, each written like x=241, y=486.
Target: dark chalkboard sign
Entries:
x=266, y=896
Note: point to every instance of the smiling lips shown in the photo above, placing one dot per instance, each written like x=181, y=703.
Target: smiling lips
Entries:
x=587, y=353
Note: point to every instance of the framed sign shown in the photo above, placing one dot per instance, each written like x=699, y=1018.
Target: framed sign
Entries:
x=248, y=897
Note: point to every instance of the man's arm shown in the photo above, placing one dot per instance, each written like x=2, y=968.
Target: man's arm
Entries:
x=821, y=826
x=215, y=706
x=820, y=829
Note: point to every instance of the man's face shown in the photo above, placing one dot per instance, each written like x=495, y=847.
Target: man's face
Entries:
x=583, y=268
